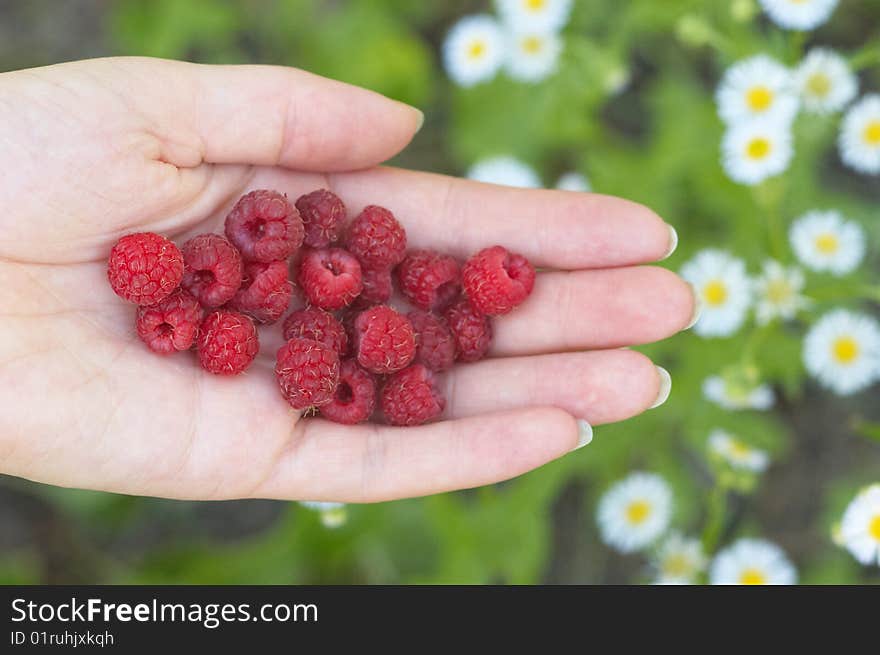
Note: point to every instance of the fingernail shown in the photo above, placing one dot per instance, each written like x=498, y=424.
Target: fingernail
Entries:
x=665, y=386
x=585, y=434
x=698, y=308
x=673, y=242
x=421, y=121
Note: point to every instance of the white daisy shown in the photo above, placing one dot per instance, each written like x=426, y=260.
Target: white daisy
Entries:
x=729, y=392
x=859, y=141
x=723, y=290
x=752, y=562
x=542, y=15
x=736, y=453
x=679, y=560
x=508, y=171
x=757, y=87
x=800, y=15
x=473, y=50
x=824, y=241
x=860, y=527
x=333, y=515
x=634, y=512
x=754, y=150
x=842, y=351
x=778, y=292
x=532, y=56
x=573, y=181
x=825, y=82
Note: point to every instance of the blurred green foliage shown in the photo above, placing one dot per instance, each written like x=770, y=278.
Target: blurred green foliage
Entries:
x=654, y=141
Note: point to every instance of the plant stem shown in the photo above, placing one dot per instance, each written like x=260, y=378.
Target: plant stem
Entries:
x=715, y=517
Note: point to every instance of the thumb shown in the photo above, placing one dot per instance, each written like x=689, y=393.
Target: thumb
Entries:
x=270, y=115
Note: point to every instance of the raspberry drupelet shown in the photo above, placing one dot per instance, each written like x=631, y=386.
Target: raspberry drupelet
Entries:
x=376, y=238
x=323, y=217
x=265, y=291
x=318, y=325
x=471, y=329
x=330, y=277
x=429, y=280
x=435, y=343
x=412, y=397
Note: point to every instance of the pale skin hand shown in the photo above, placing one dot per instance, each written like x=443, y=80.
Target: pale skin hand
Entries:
x=94, y=150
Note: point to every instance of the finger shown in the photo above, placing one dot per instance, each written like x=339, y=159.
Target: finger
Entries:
x=554, y=229
x=371, y=463
x=266, y=115
x=599, y=387
x=595, y=309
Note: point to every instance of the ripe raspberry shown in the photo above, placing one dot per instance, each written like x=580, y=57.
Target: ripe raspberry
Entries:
x=384, y=340
x=212, y=269
x=377, y=287
x=330, y=277
x=307, y=373
x=264, y=226
x=265, y=291
x=472, y=331
x=435, y=344
x=376, y=238
x=496, y=281
x=429, y=280
x=323, y=216
x=171, y=324
x=411, y=397
x=227, y=342
x=318, y=325
x=144, y=268
x=355, y=395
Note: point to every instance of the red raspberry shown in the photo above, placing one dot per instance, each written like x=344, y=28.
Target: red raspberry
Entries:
x=496, y=281
x=376, y=238
x=307, y=372
x=227, y=343
x=323, y=216
x=264, y=226
x=318, y=325
x=171, y=324
x=429, y=280
x=377, y=287
x=330, y=277
x=144, y=268
x=265, y=291
x=384, y=340
x=435, y=344
x=355, y=395
x=411, y=397
x=212, y=269
x=472, y=331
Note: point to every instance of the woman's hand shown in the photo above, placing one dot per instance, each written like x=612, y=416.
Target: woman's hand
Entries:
x=96, y=149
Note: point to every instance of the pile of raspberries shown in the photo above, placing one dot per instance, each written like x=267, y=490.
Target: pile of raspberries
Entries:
x=349, y=354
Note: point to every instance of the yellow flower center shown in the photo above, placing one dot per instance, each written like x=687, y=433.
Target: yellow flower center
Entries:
x=779, y=291
x=535, y=5
x=715, y=293
x=476, y=50
x=819, y=84
x=759, y=98
x=827, y=243
x=532, y=45
x=676, y=566
x=758, y=148
x=752, y=576
x=739, y=449
x=638, y=511
x=846, y=350
x=872, y=133
x=874, y=527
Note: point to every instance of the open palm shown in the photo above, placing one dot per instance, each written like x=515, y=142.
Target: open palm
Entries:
x=94, y=150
